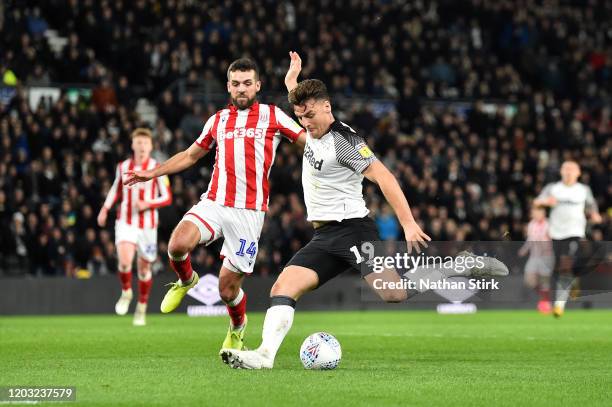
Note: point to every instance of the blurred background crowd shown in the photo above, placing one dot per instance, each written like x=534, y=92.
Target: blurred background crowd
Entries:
x=472, y=104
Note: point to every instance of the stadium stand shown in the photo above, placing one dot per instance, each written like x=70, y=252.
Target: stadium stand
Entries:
x=473, y=105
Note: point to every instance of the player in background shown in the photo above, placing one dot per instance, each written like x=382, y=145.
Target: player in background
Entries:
x=336, y=160
x=540, y=263
x=246, y=135
x=136, y=223
x=569, y=200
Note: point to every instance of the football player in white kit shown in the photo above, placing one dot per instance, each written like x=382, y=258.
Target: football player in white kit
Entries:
x=569, y=200
x=136, y=223
x=336, y=160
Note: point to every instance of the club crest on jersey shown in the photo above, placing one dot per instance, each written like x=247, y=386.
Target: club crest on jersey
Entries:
x=264, y=116
x=309, y=156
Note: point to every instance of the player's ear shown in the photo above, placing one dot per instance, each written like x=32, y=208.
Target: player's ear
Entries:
x=228, y=86
x=257, y=86
x=327, y=106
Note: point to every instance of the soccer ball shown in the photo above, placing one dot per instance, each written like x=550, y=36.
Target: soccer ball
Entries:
x=320, y=351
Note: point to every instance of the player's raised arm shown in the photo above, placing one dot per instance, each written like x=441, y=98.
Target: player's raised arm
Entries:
x=378, y=173
x=295, y=67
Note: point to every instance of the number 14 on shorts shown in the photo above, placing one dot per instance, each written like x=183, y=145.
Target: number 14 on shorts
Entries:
x=251, y=250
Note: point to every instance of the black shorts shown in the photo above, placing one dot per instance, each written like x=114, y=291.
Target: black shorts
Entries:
x=335, y=248
x=570, y=247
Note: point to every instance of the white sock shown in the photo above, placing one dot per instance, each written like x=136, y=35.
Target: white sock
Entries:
x=276, y=326
x=564, y=286
x=236, y=300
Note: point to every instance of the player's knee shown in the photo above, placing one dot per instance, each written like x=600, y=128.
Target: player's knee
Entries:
x=178, y=246
x=125, y=267
x=144, y=270
x=281, y=287
x=228, y=293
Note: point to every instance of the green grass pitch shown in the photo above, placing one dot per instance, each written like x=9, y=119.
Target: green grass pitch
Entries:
x=493, y=358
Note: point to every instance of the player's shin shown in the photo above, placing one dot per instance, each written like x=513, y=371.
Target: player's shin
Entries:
x=125, y=276
x=145, y=281
x=181, y=264
x=237, y=309
x=123, y=304
x=277, y=324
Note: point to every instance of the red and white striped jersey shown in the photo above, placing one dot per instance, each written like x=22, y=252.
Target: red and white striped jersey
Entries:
x=155, y=192
x=246, y=142
x=538, y=237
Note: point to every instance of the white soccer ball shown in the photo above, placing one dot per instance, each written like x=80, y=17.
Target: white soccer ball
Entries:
x=320, y=351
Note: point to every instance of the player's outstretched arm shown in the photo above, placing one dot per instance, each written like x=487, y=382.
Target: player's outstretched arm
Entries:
x=378, y=173
x=295, y=67
x=111, y=197
x=174, y=164
x=545, y=198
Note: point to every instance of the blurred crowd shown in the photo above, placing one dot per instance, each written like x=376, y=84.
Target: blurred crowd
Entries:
x=487, y=99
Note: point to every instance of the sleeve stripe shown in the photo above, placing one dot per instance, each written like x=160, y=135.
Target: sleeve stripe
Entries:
x=347, y=154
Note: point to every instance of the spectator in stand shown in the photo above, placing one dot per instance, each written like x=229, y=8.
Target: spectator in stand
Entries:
x=471, y=169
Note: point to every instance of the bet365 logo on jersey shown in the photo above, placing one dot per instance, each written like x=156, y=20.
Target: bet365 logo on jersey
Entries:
x=242, y=132
x=309, y=156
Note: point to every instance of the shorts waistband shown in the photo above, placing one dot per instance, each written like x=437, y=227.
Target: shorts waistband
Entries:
x=317, y=224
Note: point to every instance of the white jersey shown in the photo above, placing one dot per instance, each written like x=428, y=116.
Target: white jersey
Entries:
x=567, y=218
x=155, y=192
x=332, y=174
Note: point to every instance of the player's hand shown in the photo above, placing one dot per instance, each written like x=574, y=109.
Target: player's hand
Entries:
x=134, y=177
x=102, y=217
x=415, y=237
x=142, y=205
x=596, y=218
x=295, y=67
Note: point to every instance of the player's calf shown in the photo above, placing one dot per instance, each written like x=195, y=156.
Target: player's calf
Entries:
x=235, y=299
x=388, y=286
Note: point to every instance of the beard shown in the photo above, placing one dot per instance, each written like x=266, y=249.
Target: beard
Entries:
x=243, y=103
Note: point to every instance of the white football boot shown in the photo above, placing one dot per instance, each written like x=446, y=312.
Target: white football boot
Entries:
x=246, y=359
x=486, y=267
x=123, y=304
x=140, y=315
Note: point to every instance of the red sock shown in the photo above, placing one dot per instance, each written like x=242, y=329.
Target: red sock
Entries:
x=237, y=309
x=144, y=287
x=544, y=294
x=182, y=268
x=126, y=280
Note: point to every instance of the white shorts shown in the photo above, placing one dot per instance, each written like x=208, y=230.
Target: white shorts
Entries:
x=541, y=265
x=145, y=239
x=241, y=229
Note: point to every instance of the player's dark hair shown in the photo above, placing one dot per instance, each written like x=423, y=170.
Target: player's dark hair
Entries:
x=243, y=65
x=308, y=89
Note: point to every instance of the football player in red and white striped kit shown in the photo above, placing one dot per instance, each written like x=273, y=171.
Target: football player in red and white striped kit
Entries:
x=539, y=266
x=245, y=135
x=136, y=223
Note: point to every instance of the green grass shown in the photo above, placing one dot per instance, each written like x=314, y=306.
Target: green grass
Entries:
x=512, y=358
